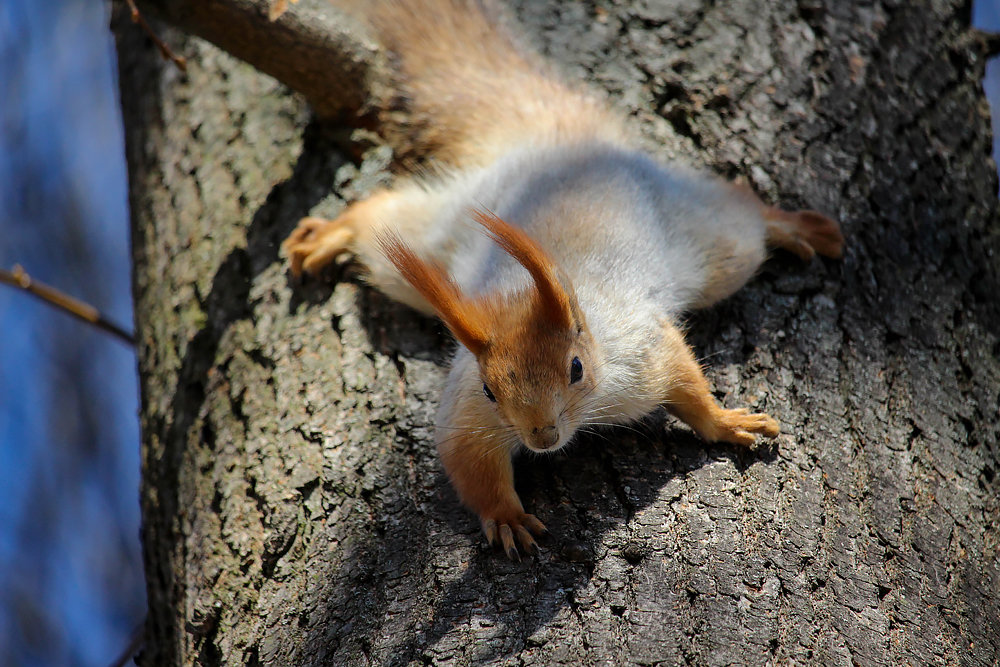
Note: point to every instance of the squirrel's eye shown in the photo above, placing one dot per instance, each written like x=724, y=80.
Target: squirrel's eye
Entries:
x=489, y=394
x=575, y=370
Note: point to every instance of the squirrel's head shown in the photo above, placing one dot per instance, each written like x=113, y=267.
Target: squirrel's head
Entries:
x=536, y=356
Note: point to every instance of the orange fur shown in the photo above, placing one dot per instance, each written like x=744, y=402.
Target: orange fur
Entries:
x=804, y=233
x=481, y=472
x=469, y=84
x=478, y=323
x=686, y=393
x=555, y=302
x=465, y=320
x=801, y=232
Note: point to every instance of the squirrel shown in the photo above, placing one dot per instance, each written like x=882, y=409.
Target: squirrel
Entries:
x=559, y=256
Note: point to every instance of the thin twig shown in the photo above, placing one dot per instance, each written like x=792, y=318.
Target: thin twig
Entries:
x=84, y=311
x=160, y=44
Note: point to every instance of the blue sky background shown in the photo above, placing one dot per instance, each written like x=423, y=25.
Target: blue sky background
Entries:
x=71, y=584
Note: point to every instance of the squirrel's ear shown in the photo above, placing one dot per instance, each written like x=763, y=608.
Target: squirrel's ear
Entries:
x=555, y=302
x=464, y=320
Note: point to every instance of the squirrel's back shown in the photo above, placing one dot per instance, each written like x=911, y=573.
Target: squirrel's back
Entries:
x=631, y=235
x=471, y=87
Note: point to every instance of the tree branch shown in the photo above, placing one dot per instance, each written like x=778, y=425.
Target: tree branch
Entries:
x=311, y=46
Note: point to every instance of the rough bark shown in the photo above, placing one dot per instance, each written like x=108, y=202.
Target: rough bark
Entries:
x=294, y=512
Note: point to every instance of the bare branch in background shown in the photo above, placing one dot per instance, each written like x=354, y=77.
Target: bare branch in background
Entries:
x=79, y=309
x=165, y=50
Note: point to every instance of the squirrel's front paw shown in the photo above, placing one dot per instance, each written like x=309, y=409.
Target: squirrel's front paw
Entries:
x=316, y=242
x=506, y=525
x=741, y=427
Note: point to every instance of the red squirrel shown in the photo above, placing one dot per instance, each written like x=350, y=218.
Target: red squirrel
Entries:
x=560, y=256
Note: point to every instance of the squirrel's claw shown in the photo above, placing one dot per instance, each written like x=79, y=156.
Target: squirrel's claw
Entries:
x=522, y=527
x=507, y=539
x=490, y=529
x=526, y=540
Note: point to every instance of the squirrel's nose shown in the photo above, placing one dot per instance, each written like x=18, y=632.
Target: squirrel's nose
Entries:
x=546, y=437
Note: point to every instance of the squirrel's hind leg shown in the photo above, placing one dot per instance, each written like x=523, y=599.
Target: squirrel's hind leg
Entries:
x=408, y=210
x=685, y=392
x=316, y=242
x=804, y=233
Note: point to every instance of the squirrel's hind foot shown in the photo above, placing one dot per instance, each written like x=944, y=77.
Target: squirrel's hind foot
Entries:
x=316, y=242
x=804, y=233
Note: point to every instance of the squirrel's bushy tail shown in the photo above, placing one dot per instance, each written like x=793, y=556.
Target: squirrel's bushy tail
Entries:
x=469, y=86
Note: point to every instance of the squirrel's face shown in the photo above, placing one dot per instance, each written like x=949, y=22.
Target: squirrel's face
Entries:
x=536, y=357
x=540, y=382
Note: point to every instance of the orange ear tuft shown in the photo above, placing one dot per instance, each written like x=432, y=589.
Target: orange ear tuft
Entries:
x=554, y=299
x=462, y=318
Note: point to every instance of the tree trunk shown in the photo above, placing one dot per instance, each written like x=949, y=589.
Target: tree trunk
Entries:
x=294, y=510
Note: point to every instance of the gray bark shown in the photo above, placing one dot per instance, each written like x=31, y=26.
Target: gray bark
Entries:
x=293, y=508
